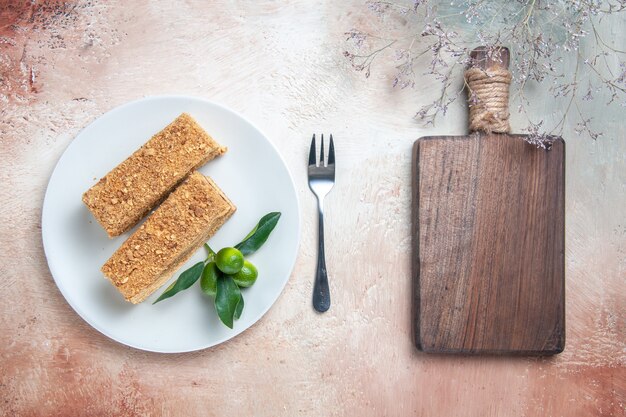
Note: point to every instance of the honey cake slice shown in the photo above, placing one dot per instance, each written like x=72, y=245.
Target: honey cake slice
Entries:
x=189, y=216
x=128, y=192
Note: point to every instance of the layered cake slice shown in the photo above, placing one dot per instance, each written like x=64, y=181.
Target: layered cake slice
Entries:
x=191, y=214
x=126, y=194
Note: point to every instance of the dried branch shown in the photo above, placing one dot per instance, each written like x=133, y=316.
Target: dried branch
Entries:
x=544, y=35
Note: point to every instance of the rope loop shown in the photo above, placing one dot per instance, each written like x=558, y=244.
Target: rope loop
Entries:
x=488, y=99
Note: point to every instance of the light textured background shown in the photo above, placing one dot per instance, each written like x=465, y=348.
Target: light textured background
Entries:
x=280, y=64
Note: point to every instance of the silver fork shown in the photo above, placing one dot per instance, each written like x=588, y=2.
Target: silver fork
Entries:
x=321, y=180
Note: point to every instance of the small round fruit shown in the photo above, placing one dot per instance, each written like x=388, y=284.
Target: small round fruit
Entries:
x=246, y=277
x=208, y=282
x=229, y=260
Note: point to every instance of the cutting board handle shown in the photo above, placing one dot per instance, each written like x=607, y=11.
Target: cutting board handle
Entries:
x=488, y=79
x=487, y=58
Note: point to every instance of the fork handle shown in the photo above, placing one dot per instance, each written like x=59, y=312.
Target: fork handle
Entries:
x=321, y=291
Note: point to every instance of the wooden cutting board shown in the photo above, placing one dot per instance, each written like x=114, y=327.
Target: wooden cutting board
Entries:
x=489, y=241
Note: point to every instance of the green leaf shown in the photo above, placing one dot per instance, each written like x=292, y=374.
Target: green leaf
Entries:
x=239, y=308
x=211, y=254
x=257, y=236
x=184, y=281
x=227, y=298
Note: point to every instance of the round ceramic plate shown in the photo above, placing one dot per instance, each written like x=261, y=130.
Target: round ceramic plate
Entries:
x=252, y=174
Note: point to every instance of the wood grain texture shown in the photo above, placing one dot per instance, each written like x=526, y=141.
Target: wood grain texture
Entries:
x=280, y=64
x=489, y=219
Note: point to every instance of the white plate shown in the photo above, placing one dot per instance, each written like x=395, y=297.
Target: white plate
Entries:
x=251, y=173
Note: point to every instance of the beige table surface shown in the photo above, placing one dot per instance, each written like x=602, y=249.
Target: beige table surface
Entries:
x=280, y=64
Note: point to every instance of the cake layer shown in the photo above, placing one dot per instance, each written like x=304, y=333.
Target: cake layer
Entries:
x=189, y=216
x=126, y=194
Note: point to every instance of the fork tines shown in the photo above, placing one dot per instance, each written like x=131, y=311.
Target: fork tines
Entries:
x=331, y=153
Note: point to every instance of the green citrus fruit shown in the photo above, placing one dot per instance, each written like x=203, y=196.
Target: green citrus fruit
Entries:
x=247, y=275
x=229, y=260
x=208, y=282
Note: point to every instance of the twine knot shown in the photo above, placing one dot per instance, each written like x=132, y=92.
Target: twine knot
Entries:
x=488, y=99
